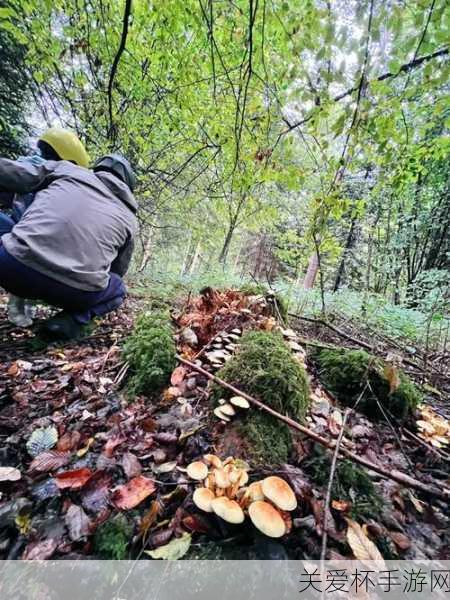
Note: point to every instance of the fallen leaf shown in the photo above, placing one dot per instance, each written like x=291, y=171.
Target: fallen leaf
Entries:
x=78, y=523
x=112, y=444
x=95, y=494
x=166, y=467
x=48, y=461
x=131, y=465
x=174, y=550
x=38, y=385
x=178, y=375
x=362, y=547
x=68, y=441
x=41, y=440
x=74, y=479
x=400, y=540
x=134, y=492
x=82, y=451
x=23, y=523
x=9, y=474
x=341, y=505
x=149, y=519
x=40, y=550
x=392, y=377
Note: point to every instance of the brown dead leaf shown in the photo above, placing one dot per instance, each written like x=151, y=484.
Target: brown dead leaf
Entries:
x=400, y=540
x=112, y=444
x=178, y=375
x=362, y=547
x=131, y=465
x=38, y=385
x=134, y=492
x=149, y=519
x=40, y=550
x=68, y=441
x=95, y=494
x=48, y=461
x=78, y=523
x=341, y=505
x=392, y=377
x=74, y=479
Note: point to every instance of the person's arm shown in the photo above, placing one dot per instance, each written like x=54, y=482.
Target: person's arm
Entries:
x=22, y=177
x=122, y=261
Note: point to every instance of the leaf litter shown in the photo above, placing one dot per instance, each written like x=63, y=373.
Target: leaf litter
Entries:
x=77, y=451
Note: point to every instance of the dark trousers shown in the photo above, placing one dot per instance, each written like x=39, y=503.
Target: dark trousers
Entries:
x=25, y=282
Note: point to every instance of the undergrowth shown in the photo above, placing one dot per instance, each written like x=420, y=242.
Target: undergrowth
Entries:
x=112, y=537
x=151, y=352
x=350, y=483
x=350, y=373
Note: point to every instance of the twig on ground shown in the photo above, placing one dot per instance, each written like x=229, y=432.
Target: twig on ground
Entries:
x=330, y=485
x=398, y=476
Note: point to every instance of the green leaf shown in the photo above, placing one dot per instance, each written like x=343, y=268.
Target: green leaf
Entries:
x=174, y=550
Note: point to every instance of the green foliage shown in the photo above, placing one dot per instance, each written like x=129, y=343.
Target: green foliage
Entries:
x=350, y=373
x=112, y=538
x=265, y=368
x=350, y=483
x=14, y=96
x=150, y=351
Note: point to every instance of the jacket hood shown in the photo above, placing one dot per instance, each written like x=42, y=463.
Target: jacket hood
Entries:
x=118, y=188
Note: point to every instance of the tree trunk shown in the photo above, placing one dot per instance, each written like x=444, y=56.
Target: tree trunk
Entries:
x=226, y=244
x=147, y=252
x=349, y=243
x=311, y=273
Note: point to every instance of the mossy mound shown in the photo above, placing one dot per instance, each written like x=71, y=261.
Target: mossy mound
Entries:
x=151, y=352
x=278, y=306
x=112, y=538
x=350, y=483
x=345, y=373
x=265, y=368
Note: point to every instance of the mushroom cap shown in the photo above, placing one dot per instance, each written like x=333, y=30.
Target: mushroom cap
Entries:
x=197, y=470
x=254, y=491
x=228, y=510
x=221, y=478
x=220, y=415
x=279, y=492
x=267, y=519
x=240, y=402
x=228, y=410
x=202, y=499
x=213, y=460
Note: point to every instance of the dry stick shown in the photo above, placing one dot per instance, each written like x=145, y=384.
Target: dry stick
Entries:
x=398, y=476
x=330, y=485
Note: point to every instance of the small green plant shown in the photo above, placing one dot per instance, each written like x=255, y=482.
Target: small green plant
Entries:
x=265, y=368
x=112, y=537
x=350, y=373
x=151, y=352
x=350, y=483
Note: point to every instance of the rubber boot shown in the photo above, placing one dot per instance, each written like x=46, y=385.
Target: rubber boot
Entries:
x=18, y=312
x=62, y=327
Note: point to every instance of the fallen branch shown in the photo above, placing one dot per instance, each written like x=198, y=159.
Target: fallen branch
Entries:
x=349, y=337
x=330, y=486
x=398, y=476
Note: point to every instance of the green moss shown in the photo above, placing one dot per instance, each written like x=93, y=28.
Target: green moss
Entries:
x=265, y=368
x=345, y=373
x=112, y=537
x=350, y=483
x=270, y=441
x=278, y=306
x=150, y=351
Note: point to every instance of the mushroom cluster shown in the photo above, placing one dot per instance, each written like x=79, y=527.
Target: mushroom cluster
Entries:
x=222, y=348
x=292, y=339
x=225, y=492
x=226, y=410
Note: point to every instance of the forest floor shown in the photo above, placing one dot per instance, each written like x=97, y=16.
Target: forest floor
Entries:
x=77, y=451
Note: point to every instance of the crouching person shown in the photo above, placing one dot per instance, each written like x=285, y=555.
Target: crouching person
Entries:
x=74, y=243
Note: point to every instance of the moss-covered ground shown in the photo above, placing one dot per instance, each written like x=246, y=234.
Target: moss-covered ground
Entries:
x=349, y=374
x=265, y=368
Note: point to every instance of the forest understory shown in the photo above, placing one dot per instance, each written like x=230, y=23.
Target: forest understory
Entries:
x=99, y=436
